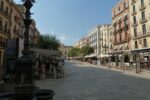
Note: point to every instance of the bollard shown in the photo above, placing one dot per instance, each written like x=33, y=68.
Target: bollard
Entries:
x=45, y=94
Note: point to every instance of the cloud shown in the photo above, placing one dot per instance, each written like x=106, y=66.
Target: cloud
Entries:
x=52, y=32
x=63, y=38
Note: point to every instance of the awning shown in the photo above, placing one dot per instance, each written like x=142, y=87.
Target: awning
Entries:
x=46, y=52
x=142, y=50
x=91, y=56
x=103, y=55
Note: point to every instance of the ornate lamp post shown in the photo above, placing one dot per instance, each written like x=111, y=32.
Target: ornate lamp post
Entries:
x=25, y=87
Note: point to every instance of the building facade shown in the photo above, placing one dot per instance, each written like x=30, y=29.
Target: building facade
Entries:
x=5, y=16
x=93, y=38
x=64, y=50
x=121, y=23
x=140, y=23
x=103, y=40
x=110, y=39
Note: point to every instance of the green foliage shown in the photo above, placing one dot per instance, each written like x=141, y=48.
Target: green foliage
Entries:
x=86, y=50
x=48, y=42
x=74, y=52
x=77, y=52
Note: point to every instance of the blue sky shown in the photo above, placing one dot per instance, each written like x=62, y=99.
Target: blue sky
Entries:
x=69, y=20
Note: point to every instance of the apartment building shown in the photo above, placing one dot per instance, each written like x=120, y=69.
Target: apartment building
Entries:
x=93, y=38
x=103, y=40
x=140, y=23
x=121, y=23
x=5, y=16
x=110, y=39
x=33, y=34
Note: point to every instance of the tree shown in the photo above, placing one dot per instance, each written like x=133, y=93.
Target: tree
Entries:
x=48, y=42
x=86, y=50
x=74, y=52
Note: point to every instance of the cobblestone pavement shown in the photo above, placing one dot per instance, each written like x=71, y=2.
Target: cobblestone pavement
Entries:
x=85, y=82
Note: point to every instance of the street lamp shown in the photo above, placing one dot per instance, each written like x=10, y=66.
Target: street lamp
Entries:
x=25, y=87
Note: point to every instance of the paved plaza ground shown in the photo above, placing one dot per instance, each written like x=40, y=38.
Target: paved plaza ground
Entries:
x=89, y=82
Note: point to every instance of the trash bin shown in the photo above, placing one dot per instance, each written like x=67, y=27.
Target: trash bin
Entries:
x=45, y=94
x=6, y=96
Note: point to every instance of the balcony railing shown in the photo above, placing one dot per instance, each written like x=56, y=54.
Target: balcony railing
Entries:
x=142, y=7
x=4, y=30
x=143, y=20
x=125, y=18
x=134, y=13
x=141, y=35
x=119, y=30
x=125, y=27
x=134, y=24
x=120, y=42
x=5, y=13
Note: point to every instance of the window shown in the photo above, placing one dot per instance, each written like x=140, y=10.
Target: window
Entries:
x=134, y=20
x=142, y=2
x=118, y=9
x=6, y=26
x=125, y=5
x=126, y=35
x=133, y=7
x=2, y=6
x=136, y=44
x=1, y=23
x=120, y=35
x=135, y=32
x=144, y=29
x=7, y=10
x=145, y=42
x=115, y=38
x=143, y=15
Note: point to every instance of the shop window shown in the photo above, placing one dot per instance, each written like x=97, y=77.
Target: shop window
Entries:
x=126, y=59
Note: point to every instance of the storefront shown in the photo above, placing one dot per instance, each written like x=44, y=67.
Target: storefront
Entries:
x=141, y=59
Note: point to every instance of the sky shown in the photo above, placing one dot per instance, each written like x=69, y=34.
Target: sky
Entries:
x=70, y=20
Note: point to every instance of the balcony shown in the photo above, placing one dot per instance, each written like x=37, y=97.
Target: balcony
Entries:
x=125, y=18
x=5, y=13
x=125, y=27
x=16, y=31
x=141, y=35
x=142, y=7
x=119, y=30
x=143, y=20
x=133, y=2
x=134, y=13
x=4, y=31
x=120, y=42
x=134, y=24
x=115, y=32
